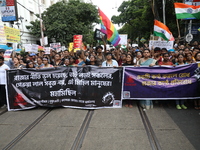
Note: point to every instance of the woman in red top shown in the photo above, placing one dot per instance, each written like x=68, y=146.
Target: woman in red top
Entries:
x=166, y=60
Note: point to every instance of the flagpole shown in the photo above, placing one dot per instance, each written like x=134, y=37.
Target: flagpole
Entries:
x=179, y=35
x=164, y=21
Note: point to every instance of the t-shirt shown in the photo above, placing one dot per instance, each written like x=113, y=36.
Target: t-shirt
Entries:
x=114, y=63
x=3, y=69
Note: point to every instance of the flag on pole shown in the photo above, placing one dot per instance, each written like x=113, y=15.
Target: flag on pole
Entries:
x=185, y=11
x=162, y=30
x=108, y=28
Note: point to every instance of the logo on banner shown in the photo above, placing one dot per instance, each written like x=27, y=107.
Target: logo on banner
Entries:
x=19, y=100
x=129, y=81
x=126, y=94
x=108, y=98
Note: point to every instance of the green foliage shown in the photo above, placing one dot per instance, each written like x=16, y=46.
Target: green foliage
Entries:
x=65, y=19
x=138, y=16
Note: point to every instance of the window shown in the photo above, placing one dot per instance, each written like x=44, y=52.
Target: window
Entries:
x=31, y=16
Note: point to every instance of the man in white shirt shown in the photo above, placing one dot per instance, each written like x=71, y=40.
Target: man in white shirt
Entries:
x=3, y=68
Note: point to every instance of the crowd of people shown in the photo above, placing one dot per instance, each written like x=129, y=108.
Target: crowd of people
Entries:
x=102, y=57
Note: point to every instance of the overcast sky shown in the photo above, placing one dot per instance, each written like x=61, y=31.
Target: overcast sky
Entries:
x=109, y=7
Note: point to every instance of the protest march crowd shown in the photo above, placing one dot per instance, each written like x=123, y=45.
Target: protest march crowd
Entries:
x=102, y=57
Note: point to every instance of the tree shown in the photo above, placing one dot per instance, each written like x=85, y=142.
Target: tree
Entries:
x=138, y=16
x=65, y=19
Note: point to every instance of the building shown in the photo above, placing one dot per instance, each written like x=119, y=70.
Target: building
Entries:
x=26, y=13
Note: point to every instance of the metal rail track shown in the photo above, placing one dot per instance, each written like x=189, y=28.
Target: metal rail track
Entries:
x=3, y=112
x=149, y=130
x=82, y=132
x=27, y=130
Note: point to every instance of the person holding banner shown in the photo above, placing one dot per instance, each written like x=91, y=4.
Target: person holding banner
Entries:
x=17, y=64
x=66, y=62
x=81, y=61
x=180, y=61
x=197, y=101
x=109, y=62
x=93, y=61
x=29, y=64
x=146, y=61
x=189, y=58
x=39, y=63
x=129, y=62
x=166, y=60
x=46, y=63
x=3, y=68
x=57, y=60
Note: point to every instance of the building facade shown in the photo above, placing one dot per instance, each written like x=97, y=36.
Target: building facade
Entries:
x=27, y=10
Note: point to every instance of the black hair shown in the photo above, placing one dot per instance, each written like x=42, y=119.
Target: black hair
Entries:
x=164, y=49
x=195, y=56
x=79, y=52
x=157, y=49
x=2, y=58
x=165, y=54
x=98, y=47
x=146, y=50
x=27, y=64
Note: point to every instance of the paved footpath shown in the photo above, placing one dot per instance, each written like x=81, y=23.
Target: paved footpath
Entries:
x=109, y=129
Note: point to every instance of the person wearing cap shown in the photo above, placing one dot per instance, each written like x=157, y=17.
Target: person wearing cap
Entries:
x=109, y=62
x=173, y=55
x=3, y=68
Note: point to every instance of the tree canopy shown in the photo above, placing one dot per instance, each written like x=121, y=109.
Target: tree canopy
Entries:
x=64, y=19
x=138, y=16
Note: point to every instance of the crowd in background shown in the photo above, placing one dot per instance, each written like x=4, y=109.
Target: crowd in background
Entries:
x=102, y=57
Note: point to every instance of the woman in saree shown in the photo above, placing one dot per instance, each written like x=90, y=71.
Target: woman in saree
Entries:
x=146, y=61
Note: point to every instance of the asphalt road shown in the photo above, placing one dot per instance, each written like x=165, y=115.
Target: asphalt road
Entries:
x=109, y=129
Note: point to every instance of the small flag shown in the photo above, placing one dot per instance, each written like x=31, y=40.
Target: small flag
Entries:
x=142, y=40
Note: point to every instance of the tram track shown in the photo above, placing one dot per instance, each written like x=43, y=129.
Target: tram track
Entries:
x=27, y=130
x=3, y=112
x=149, y=130
x=82, y=132
x=77, y=144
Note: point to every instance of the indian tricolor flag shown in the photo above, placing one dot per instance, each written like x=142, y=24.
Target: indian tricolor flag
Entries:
x=184, y=11
x=162, y=30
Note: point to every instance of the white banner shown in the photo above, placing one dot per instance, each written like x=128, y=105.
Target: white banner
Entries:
x=28, y=47
x=47, y=50
x=161, y=44
x=34, y=48
x=7, y=54
x=123, y=40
